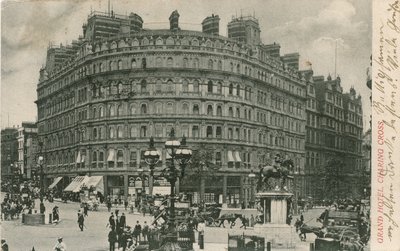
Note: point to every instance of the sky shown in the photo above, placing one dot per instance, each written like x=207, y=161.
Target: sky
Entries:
x=312, y=28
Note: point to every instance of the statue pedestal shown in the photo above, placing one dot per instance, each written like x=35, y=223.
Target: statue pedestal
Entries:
x=276, y=205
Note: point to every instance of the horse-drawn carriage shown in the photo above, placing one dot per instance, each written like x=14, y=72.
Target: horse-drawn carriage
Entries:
x=345, y=227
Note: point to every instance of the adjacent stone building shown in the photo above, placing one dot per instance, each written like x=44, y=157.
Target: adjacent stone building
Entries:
x=9, y=153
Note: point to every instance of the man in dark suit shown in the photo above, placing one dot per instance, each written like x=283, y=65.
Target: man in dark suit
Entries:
x=81, y=220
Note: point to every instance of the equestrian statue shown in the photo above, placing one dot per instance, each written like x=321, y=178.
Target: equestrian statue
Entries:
x=281, y=170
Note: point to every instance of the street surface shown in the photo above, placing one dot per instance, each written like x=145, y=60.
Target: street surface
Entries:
x=94, y=236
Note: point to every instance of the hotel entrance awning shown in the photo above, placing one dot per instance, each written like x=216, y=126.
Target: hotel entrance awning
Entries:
x=55, y=182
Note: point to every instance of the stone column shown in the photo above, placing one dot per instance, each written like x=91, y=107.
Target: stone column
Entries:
x=202, y=188
x=126, y=186
x=224, y=188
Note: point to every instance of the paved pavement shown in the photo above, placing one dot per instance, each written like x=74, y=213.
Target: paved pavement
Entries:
x=94, y=236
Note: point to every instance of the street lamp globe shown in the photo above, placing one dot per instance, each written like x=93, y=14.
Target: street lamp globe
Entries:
x=252, y=174
x=183, y=153
x=172, y=143
x=152, y=156
x=40, y=159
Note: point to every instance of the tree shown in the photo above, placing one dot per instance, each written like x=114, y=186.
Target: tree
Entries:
x=200, y=169
x=332, y=175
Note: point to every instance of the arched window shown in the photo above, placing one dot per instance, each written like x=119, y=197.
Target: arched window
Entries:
x=143, y=131
x=220, y=65
x=170, y=108
x=230, y=112
x=133, y=63
x=196, y=63
x=196, y=86
x=111, y=65
x=210, y=86
x=238, y=68
x=230, y=89
x=185, y=63
x=218, y=133
x=119, y=110
x=133, y=109
x=133, y=132
x=170, y=86
x=112, y=132
x=249, y=117
x=120, y=132
x=159, y=108
x=120, y=158
x=94, y=113
x=170, y=62
x=209, y=132
x=195, y=109
x=219, y=111
x=219, y=88
x=210, y=64
x=210, y=110
x=195, y=131
x=238, y=112
x=238, y=90
x=158, y=86
x=119, y=88
x=185, y=108
x=143, y=109
x=143, y=86
x=231, y=66
x=119, y=65
x=185, y=86
x=94, y=133
x=111, y=110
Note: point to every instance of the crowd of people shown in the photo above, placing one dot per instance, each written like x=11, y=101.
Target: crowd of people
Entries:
x=125, y=236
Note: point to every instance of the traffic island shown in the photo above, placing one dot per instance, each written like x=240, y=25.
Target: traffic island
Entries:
x=33, y=219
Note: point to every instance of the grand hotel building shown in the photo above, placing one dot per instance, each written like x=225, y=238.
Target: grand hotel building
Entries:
x=102, y=98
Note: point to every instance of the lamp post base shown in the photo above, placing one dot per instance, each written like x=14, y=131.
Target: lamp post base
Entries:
x=170, y=243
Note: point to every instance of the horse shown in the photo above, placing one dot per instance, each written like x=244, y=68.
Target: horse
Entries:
x=283, y=173
x=304, y=229
x=231, y=218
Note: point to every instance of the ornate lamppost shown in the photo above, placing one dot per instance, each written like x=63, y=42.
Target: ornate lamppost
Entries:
x=180, y=153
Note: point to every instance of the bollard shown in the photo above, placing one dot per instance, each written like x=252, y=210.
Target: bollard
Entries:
x=312, y=247
x=23, y=218
x=201, y=241
x=268, y=246
x=50, y=218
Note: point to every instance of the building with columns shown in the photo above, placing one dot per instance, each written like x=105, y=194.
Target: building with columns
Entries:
x=239, y=100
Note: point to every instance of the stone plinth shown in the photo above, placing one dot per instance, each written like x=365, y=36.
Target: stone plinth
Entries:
x=33, y=219
x=275, y=206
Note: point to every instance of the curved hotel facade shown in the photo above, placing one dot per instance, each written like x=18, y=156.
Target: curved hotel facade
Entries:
x=102, y=98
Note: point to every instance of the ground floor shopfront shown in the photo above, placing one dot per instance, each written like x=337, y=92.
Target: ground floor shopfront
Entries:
x=231, y=189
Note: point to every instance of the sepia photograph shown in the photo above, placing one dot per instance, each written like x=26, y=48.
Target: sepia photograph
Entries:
x=192, y=125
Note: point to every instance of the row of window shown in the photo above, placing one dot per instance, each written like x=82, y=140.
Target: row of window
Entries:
x=169, y=62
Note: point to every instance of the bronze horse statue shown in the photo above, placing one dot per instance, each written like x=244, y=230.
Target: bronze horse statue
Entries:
x=279, y=172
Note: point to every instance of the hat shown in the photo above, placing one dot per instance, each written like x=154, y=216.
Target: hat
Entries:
x=60, y=238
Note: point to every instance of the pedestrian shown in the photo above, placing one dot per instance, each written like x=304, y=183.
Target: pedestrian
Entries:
x=123, y=239
x=244, y=221
x=56, y=216
x=126, y=204
x=251, y=221
x=42, y=207
x=145, y=231
x=60, y=245
x=109, y=204
x=301, y=218
x=289, y=219
x=85, y=208
x=112, y=238
x=137, y=231
x=111, y=221
x=122, y=221
x=81, y=220
x=4, y=245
